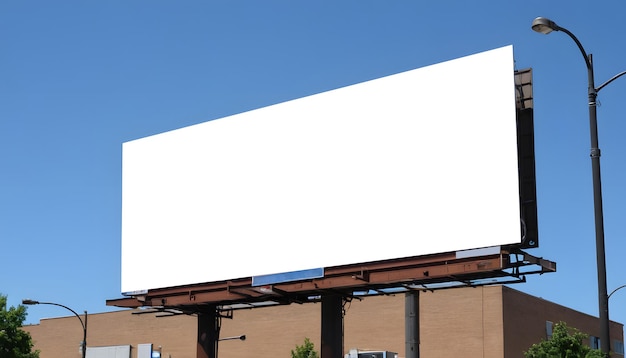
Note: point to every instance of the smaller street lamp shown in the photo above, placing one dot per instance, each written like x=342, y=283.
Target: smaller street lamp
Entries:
x=242, y=337
x=82, y=323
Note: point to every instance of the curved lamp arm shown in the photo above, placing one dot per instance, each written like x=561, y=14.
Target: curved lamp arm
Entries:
x=33, y=302
x=611, y=80
x=545, y=26
x=615, y=290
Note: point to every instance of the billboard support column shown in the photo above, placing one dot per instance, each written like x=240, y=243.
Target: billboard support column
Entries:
x=208, y=333
x=332, y=326
x=412, y=324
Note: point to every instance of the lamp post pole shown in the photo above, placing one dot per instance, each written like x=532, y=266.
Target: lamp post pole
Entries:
x=545, y=26
x=82, y=323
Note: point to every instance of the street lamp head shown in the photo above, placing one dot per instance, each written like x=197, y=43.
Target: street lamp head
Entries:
x=30, y=302
x=544, y=25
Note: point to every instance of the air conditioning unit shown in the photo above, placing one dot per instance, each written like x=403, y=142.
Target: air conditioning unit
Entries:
x=357, y=353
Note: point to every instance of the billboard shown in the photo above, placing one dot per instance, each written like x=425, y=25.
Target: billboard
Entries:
x=415, y=163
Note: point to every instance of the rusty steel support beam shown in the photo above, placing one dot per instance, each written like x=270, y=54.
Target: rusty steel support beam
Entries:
x=405, y=274
x=376, y=275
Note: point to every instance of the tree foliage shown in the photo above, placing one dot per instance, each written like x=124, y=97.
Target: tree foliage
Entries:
x=566, y=342
x=14, y=342
x=307, y=350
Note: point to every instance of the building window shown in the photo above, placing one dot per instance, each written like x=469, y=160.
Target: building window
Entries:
x=618, y=347
x=594, y=342
x=549, y=325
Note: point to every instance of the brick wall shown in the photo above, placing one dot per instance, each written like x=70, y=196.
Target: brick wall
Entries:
x=486, y=322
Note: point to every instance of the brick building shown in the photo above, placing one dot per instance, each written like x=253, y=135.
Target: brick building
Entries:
x=490, y=321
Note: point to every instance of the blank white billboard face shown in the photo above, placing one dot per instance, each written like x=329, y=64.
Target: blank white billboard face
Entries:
x=411, y=164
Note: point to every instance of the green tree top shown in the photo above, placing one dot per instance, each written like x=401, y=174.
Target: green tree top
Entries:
x=14, y=342
x=307, y=350
x=563, y=344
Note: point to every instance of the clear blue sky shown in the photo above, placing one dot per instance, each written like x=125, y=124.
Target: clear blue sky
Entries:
x=79, y=78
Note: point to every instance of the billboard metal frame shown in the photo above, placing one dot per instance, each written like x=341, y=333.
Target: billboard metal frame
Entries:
x=509, y=265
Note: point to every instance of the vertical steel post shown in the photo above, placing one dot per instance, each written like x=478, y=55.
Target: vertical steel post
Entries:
x=332, y=326
x=208, y=333
x=84, y=351
x=412, y=324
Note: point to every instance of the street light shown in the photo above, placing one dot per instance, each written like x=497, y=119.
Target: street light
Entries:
x=82, y=323
x=546, y=26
